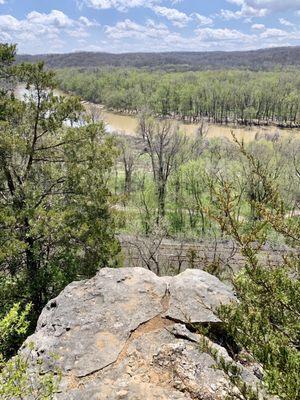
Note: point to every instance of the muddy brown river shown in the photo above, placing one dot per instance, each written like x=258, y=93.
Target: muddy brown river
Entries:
x=128, y=124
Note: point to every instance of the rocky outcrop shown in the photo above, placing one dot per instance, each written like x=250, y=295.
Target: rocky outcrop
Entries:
x=128, y=334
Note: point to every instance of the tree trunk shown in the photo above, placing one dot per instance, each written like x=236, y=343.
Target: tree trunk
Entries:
x=161, y=200
x=128, y=181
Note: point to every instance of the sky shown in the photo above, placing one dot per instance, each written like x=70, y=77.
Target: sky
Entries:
x=117, y=26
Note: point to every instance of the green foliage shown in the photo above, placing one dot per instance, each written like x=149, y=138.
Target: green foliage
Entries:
x=238, y=389
x=219, y=96
x=13, y=329
x=216, y=96
x=164, y=145
x=22, y=378
x=188, y=189
x=56, y=224
x=265, y=321
x=146, y=200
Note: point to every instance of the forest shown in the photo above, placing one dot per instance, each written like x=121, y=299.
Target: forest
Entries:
x=167, y=180
x=255, y=60
x=70, y=190
x=242, y=97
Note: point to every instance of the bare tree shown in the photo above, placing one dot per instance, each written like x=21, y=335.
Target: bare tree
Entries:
x=146, y=210
x=129, y=158
x=163, y=143
x=146, y=249
x=93, y=112
x=199, y=141
x=202, y=130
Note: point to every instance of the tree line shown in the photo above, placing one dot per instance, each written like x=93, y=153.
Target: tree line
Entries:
x=255, y=60
x=242, y=97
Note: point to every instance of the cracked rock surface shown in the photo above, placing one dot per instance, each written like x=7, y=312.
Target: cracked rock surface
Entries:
x=124, y=334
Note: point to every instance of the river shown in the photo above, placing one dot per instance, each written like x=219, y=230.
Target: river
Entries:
x=128, y=124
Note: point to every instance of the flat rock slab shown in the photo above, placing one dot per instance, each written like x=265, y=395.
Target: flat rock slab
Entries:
x=124, y=335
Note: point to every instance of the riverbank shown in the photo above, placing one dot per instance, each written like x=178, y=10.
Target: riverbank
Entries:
x=128, y=124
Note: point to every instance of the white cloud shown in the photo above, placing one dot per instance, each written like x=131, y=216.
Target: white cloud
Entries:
x=130, y=29
x=177, y=18
x=285, y=22
x=41, y=29
x=2, y=2
x=212, y=35
x=88, y=23
x=274, y=33
x=246, y=11
x=258, y=26
x=237, y=2
x=158, y=37
x=77, y=33
x=258, y=8
x=121, y=5
x=181, y=19
x=202, y=20
x=274, y=5
x=45, y=32
x=55, y=18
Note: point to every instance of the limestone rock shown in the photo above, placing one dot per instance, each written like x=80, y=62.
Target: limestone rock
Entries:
x=126, y=334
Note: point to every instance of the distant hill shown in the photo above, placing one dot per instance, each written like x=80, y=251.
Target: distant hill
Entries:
x=263, y=59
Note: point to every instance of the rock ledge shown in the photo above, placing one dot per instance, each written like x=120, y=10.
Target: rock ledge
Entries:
x=125, y=334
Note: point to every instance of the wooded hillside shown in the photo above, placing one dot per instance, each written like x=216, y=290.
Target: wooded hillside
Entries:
x=263, y=59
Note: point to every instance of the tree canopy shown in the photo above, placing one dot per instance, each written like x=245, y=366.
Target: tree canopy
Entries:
x=56, y=224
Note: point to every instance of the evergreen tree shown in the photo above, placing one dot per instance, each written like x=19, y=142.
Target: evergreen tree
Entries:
x=55, y=222
x=265, y=322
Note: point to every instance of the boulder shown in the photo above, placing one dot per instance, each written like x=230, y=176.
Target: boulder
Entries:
x=129, y=334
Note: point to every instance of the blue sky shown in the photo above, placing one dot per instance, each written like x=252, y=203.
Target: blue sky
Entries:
x=58, y=26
